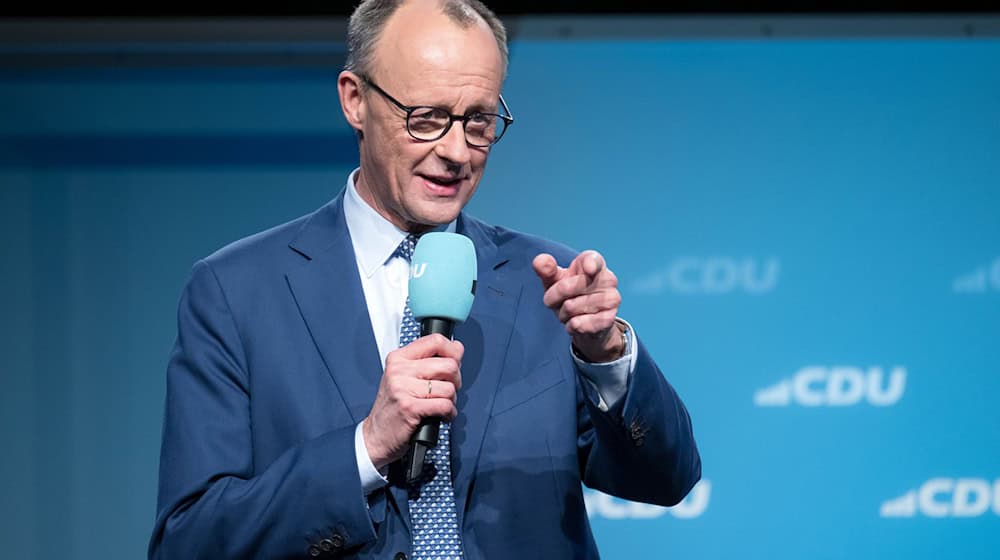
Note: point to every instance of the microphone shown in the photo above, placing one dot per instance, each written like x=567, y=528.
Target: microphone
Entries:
x=442, y=286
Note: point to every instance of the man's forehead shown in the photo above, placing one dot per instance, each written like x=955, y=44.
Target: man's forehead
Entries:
x=423, y=29
x=421, y=45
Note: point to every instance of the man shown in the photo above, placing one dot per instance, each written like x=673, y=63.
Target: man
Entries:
x=289, y=406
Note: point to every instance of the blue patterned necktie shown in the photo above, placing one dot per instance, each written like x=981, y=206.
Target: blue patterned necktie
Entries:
x=432, y=505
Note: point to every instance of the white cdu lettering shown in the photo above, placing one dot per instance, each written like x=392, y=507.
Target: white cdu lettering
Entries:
x=845, y=386
x=946, y=497
x=693, y=505
x=713, y=276
x=802, y=386
x=971, y=498
x=926, y=497
x=890, y=396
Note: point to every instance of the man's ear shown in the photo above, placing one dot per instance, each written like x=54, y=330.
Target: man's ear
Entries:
x=351, y=100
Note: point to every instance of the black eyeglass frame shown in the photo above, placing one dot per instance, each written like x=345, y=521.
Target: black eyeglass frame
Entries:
x=508, y=118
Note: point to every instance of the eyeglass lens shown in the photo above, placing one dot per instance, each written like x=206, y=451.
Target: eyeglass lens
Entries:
x=429, y=123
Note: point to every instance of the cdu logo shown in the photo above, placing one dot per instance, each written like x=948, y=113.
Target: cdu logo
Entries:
x=835, y=386
x=693, y=505
x=980, y=281
x=946, y=497
x=417, y=270
x=712, y=276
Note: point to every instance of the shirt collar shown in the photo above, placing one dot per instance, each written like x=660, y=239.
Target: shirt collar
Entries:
x=374, y=238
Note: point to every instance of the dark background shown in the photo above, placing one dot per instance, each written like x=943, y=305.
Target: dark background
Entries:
x=328, y=8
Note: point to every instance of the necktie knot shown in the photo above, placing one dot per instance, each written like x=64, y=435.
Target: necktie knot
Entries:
x=406, y=247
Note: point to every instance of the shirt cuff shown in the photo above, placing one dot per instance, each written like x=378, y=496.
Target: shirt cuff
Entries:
x=371, y=478
x=610, y=379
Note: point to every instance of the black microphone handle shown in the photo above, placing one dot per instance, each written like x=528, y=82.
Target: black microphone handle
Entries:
x=426, y=435
x=436, y=325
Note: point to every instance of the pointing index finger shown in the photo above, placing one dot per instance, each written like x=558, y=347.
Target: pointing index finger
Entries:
x=593, y=263
x=547, y=269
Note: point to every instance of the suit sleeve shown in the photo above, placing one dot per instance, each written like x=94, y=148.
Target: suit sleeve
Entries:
x=643, y=447
x=213, y=501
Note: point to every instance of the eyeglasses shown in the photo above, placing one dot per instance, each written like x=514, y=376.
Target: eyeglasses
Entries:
x=427, y=123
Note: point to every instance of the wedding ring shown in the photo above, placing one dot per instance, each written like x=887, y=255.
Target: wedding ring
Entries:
x=429, y=389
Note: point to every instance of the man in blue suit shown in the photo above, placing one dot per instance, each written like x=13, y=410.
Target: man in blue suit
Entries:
x=289, y=405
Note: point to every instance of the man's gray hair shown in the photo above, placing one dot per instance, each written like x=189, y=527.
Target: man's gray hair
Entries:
x=369, y=18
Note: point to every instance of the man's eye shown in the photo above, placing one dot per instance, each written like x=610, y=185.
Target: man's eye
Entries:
x=480, y=119
x=426, y=114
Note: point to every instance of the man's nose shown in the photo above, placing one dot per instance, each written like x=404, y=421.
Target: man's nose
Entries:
x=452, y=146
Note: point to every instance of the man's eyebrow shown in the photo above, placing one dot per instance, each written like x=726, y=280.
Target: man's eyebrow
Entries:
x=476, y=107
x=482, y=108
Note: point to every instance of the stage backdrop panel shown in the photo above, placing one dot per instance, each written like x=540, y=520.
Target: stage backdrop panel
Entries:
x=805, y=230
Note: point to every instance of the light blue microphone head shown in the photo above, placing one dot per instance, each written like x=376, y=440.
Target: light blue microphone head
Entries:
x=442, y=276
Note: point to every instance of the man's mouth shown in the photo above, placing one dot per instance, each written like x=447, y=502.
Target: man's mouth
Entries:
x=444, y=183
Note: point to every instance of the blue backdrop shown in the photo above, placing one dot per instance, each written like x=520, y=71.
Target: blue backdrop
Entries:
x=807, y=234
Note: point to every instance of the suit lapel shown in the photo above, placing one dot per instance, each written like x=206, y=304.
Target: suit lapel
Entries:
x=485, y=335
x=327, y=290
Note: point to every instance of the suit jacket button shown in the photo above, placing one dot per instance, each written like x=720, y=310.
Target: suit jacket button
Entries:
x=336, y=541
x=326, y=545
x=399, y=556
x=314, y=551
x=637, y=431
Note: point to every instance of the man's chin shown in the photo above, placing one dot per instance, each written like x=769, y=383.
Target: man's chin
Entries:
x=438, y=214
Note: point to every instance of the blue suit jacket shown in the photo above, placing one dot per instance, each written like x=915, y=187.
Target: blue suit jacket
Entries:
x=275, y=364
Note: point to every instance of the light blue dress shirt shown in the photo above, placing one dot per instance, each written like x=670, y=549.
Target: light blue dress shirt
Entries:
x=385, y=282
